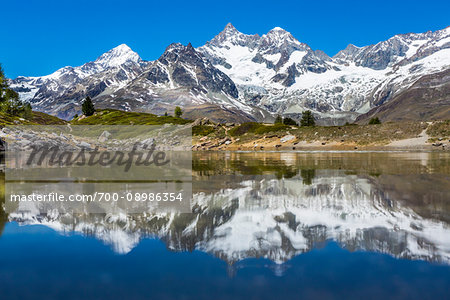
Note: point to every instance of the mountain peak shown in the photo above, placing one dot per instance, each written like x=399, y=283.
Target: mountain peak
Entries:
x=118, y=56
x=277, y=29
x=347, y=53
x=229, y=31
x=279, y=38
x=351, y=47
x=121, y=47
x=280, y=33
x=232, y=36
x=179, y=52
x=230, y=27
x=179, y=47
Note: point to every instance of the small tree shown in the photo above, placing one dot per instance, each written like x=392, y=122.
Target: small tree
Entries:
x=166, y=114
x=374, y=121
x=178, y=112
x=9, y=99
x=289, y=121
x=307, y=119
x=278, y=120
x=88, y=107
x=10, y=103
x=27, y=111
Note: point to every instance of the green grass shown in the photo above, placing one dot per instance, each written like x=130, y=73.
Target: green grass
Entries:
x=272, y=128
x=45, y=119
x=439, y=129
x=118, y=117
x=6, y=119
x=351, y=133
x=257, y=128
x=361, y=134
x=37, y=118
x=202, y=130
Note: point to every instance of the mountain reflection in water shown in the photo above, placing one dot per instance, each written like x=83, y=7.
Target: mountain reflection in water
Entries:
x=278, y=205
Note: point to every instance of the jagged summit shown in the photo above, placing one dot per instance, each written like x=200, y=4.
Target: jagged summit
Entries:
x=173, y=46
x=230, y=35
x=348, y=52
x=230, y=28
x=177, y=52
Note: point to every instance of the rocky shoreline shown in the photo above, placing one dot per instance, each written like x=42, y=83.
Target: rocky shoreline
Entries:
x=325, y=139
x=209, y=136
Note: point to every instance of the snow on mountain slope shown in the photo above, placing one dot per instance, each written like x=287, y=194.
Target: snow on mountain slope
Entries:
x=246, y=77
x=182, y=77
x=62, y=92
x=116, y=57
x=284, y=76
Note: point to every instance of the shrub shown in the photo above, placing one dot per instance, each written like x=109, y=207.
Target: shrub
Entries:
x=278, y=120
x=244, y=128
x=202, y=130
x=289, y=121
x=271, y=128
x=374, y=121
x=257, y=128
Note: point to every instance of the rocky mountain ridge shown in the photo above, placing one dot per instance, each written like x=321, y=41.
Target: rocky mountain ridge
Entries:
x=246, y=77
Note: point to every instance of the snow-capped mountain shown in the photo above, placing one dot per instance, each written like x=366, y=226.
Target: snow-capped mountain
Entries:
x=283, y=76
x=183, y=77
x=246, y=77
x=62, y=92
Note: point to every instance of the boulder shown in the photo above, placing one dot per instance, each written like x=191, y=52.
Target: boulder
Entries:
x=224, y=140
x=84, y=145
x=104, y=136
x=202, y=121
x=287, y=138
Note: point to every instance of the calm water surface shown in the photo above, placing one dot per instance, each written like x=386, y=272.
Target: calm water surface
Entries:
x=263, y=226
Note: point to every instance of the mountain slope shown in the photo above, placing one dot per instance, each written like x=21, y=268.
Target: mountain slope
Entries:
x=62, y=92
x=182, y=77
x=239, y=77
x=284, y=76
x=37, y=118
x=427, y=99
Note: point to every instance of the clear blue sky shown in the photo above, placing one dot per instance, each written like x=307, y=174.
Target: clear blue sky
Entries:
x=40, y=36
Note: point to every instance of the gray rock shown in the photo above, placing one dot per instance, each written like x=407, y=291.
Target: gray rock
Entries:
x=84, y=145
x=224, y=141
x=104, y=136
x=287, y=138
